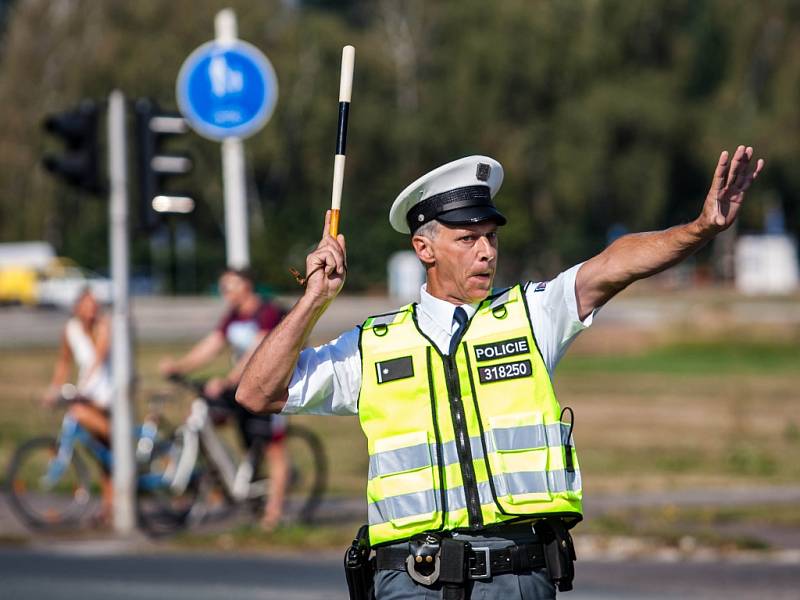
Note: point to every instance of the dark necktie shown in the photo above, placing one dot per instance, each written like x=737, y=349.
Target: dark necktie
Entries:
x=459, y=317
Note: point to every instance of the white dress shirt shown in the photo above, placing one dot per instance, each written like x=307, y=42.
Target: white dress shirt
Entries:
x=327, y=378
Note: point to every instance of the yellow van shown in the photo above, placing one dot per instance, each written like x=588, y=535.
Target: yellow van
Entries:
x=19, y=285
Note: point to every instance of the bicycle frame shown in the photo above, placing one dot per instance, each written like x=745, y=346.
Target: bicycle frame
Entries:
x=74, y=434
x=199, y=432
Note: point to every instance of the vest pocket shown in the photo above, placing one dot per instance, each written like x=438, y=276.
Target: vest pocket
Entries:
x=402, y=471
x=518, y=455
x=565, y=475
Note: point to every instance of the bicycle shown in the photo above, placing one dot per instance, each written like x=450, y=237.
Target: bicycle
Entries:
x=240, y=481
x=51, y=488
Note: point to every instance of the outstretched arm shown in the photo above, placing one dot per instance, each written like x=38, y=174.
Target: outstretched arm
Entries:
x=265, y=381
x=641, y=255
x=202, y=353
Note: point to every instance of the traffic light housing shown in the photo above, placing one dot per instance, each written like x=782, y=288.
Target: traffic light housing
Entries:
x=79, y=164
x=155, y=167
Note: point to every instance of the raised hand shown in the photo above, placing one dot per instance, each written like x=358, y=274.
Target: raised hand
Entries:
x=326, y=266
x=731, y=180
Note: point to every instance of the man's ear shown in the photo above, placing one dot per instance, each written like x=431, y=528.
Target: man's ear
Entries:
x=423, y=246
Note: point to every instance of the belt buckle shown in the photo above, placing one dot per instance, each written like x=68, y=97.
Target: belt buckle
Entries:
x=487, y=565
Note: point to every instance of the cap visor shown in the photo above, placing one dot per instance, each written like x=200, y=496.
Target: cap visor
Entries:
x=472, y=214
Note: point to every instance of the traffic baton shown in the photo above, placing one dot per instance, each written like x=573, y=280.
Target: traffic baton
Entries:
x=345, y=92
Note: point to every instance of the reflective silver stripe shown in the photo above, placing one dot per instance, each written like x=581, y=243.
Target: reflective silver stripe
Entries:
x=525, y=482
x=384, y=319
x=500, y=300
x=564, y=481
x=477, y=447
x=397, y=461
x=558, y=434
x=404, y=505
x=455, y=498
x=423, y=503
x=537, y=482
x=426, y=502
x=519, y=438
x=498, y=440
x=419, y=456
x=485, y=492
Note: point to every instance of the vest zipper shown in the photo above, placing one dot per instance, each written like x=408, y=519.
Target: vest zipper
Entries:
x=462, y=443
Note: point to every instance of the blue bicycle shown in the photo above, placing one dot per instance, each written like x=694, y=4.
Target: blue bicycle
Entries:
x=50, y=486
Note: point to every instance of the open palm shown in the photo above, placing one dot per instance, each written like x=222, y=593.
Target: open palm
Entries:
x=732, y=178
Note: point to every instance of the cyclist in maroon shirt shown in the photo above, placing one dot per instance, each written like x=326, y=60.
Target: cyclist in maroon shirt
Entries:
x=248, y=319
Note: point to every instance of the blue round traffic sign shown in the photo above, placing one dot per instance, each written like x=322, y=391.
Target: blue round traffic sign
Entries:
x=227, y=90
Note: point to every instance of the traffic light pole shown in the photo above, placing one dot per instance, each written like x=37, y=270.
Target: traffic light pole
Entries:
x=124, y=475
x=237, y=240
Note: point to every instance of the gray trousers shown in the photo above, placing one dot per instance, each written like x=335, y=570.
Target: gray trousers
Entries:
x=397, y=585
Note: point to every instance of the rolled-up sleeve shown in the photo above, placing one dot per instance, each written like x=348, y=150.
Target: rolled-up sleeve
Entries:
x=554, y=315
x=327, y=378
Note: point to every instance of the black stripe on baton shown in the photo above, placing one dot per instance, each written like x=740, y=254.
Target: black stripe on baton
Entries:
x=341, y=134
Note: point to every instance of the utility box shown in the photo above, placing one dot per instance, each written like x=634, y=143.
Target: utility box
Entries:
x=406, y=276
x=767, y=264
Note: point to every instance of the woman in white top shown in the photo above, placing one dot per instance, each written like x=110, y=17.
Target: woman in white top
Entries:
x=85, y=344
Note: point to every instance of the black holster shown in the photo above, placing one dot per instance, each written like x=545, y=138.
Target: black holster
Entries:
x=359, y=567
x=559, y=552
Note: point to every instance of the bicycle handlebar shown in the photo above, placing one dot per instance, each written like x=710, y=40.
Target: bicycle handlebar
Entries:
x=198, y=386
x=194, y=385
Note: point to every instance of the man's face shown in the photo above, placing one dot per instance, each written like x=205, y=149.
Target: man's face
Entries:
x=234, y=289
x=464, y=260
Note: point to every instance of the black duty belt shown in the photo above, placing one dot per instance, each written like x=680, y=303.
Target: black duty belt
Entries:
x=482, y=563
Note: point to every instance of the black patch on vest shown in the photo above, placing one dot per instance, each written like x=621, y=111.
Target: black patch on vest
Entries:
x=509, y=370
x=501, y=349
x=397, y=368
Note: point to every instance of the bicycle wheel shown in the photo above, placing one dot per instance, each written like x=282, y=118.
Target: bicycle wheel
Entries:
x=308, y=476
x=44, y=490
x=160, y=509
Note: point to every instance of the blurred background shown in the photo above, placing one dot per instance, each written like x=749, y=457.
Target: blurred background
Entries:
x=607, y=116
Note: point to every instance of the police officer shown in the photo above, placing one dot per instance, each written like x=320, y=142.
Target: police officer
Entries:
x=473, y=477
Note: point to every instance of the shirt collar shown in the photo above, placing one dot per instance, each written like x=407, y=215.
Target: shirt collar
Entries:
x=441, y=311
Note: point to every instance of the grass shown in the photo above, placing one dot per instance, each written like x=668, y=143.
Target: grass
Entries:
x=682, y=415
x=705, y=358
x=245, y=537
x=734, y=528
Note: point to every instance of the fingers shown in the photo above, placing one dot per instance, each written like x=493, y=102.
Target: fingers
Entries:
x=329, y=255
x=732, y=175
x=721, y=172
x=327, y=225
x=741, y=170
x=738, y=163
x=748, y=180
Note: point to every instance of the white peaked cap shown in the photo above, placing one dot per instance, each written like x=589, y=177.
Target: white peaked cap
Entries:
x=457, y=193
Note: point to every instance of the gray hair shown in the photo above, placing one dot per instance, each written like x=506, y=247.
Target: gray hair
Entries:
x=430, y=230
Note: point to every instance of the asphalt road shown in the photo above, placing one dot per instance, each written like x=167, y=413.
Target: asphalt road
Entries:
x=183, y=319
x=73, y=572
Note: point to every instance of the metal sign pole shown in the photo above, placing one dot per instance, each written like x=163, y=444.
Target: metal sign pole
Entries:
x=237, y=240
x=121, y=363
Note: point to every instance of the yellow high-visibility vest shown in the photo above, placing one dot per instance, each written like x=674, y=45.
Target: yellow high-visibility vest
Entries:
x=462, y=442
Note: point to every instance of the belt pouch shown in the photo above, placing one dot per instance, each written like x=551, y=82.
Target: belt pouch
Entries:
x=359, y=568
x=453, y=556
x=559, y=553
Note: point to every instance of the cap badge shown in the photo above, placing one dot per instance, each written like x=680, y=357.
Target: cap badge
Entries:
x=483, y=172
x=420, y=218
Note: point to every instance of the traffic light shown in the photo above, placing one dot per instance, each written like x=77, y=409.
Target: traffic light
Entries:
x=79, y=164
x=153, y=129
